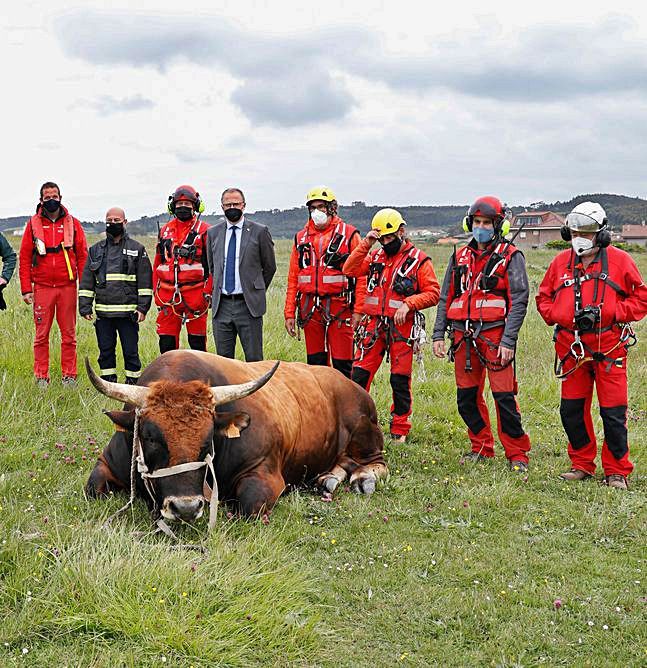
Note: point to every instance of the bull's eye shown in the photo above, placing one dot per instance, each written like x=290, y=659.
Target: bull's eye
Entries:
x=156, y=454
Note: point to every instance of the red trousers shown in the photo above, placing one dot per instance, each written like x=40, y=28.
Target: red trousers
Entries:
x=368, y=358
x=472, y=406
x=334, y=341
x=575, y=411
x=170, y=324
x=59, y=302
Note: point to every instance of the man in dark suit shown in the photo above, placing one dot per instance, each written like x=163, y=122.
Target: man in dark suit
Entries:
x=241, y=260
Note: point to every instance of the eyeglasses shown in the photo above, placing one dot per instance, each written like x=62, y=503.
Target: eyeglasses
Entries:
x=233, y=205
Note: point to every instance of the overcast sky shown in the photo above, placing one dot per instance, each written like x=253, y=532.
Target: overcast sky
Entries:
x=392, y=102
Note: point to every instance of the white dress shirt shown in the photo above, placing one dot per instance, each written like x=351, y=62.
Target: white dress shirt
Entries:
x=238, y=289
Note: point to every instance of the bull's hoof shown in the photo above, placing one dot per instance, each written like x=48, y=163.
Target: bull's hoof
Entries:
x=363, y=485
x=330, y=483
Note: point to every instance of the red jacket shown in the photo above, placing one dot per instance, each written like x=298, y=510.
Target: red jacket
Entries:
x=380, y=298
x=315, y=277
x=193, y=280
x=474, y=302
x=51, y=270
x=622, y=297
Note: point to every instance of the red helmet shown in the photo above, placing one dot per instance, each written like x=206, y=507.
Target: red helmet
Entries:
x=489, y=207
x=187, y=193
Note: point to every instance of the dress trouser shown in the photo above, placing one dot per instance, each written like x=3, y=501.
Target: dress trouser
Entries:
x=234, y=319
x=59, y=302
x=472, y=406
x=106, y=330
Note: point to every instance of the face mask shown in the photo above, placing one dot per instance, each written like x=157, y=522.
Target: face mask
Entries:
x=393, y=246
x=51, y=205
x=183, y=213
x=319, y=218
x=233, y=215
x=482, y=234
x=114, y=229
x=581, y=246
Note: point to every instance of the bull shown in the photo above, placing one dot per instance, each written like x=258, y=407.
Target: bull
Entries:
x=310, y=423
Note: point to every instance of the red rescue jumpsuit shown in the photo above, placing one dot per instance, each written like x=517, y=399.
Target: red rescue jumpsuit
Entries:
x=52, y=256
x=181, y=284
x=322, y=294
x=492, y=313
x=613, y=283
x=381, y=335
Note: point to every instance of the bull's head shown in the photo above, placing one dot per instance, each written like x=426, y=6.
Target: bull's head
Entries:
x=177, y=423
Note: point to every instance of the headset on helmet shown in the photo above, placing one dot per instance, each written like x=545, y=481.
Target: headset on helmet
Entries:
x=187, y=193
x=588, y=217
x=489, y=207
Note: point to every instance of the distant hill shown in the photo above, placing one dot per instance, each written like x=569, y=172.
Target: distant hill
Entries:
x=621, y=210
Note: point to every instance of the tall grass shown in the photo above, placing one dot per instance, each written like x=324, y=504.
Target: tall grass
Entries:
x=445, y=565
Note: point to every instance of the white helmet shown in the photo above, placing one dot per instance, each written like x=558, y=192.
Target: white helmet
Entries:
x=587, y=217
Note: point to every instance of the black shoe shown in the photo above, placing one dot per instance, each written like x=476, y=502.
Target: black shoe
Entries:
x=518, y=466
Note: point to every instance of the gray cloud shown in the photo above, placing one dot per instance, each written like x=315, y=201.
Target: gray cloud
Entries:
x=296, y=79
x=278, y=75
x=106, y=105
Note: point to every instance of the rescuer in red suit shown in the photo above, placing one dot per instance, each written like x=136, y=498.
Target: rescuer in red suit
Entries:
x=591, y=293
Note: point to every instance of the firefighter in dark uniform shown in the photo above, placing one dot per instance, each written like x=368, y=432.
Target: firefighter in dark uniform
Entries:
x=118, y=279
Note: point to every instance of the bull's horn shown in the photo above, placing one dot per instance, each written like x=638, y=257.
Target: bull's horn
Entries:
x=131, y=394
x=225, y=393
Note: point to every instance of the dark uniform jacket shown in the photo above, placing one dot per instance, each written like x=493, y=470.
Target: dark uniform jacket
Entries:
x=118, y=278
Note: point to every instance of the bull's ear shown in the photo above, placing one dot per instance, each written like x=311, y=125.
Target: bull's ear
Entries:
x=124, y=420
x=230, y=424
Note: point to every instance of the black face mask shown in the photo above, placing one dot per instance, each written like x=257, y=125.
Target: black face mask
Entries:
x=114, y=229
x=233, y=215
x=51, y=205
x=183, y=213
x=393, y=246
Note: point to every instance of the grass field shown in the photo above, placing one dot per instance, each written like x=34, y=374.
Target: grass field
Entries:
x=447, y=564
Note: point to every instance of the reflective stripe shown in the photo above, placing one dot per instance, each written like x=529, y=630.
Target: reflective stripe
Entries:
x=121, y=277
x=371, y=300
x=132, y=253
x=107, y=372
x=394, y=303
x=340, y=278
x=133, y=374
x=163, y=267
x=86, y=293
x=115, y=308
x=144, y=291
x=491, y=303
x=305, y=279
x=457, y=303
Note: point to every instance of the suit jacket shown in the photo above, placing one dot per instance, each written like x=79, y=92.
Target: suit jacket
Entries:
x=256, y=263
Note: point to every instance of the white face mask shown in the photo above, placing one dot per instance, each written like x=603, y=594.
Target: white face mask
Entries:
x=582, y=246
x=319, y=218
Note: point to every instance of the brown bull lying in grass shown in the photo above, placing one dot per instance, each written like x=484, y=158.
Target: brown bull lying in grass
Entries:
x=309, y=423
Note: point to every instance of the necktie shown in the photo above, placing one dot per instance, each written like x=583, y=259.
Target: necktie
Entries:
x=230, y=266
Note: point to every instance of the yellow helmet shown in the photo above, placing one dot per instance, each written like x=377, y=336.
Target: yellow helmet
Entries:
x=387, y=221
x=320, y=192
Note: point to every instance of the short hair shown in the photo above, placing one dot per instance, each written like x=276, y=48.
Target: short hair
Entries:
x=232, y=190
x=49, y=184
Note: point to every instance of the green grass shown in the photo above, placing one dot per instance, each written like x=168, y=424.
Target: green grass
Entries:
x=444, y=565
